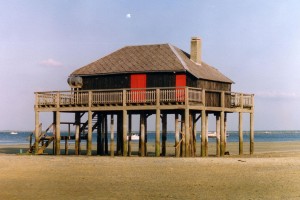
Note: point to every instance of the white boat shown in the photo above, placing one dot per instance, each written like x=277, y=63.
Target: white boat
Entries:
x=13, y=133
x=214, y=134
x=134, y=137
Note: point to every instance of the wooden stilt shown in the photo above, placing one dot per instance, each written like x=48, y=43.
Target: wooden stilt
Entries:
x=77, y=129
x=206, y=134
x=129, y=133
x=37, y=131
x=187, y=133
x=157, y=124
x=142, y=135
x=203, y=134
x=241, y=148
x=102, y=140
x=194, y=122
x=146, y=136
x=66, y=140
x=125, y=121
x=89, y=136
x=57, y=131
x=177, y=146
x=99, y=134
x=222, y=135
x=106, y=134
x=182, y=146
x=120, y=134
x=157, y=133
x=218, y=132
x=251, y=133
x=164, y=135
x=112, y=134
x=225, y=130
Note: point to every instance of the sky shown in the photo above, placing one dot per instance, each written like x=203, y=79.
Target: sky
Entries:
x=255, y=43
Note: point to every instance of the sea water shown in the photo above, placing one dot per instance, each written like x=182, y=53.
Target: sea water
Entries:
x=23, y=137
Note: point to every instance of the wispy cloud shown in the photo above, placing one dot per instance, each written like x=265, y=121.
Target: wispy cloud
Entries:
x=51, y=63
x=278, y=95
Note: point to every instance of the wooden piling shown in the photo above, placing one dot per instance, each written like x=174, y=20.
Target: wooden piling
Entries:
x=251, y=133
x=112, y=134
x=206, y=134
x=106, y=134
x=77, y=130
x=177, y=146
x=157, y=124
x=37, y=131
x=142, y=135
x=203, y=134
x=57, y=132
x=164, y=134
x=187, y=133
x=125, y=126
x=89, y=136
x=222, y=135
x=182, y=145
x=218, y=127
x=99, y=132
x=241, y=148
x=129, y=133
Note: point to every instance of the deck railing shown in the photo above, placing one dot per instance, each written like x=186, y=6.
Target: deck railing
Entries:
x=143, y=96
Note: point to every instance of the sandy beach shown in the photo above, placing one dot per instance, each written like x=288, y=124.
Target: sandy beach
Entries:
x=273, y=172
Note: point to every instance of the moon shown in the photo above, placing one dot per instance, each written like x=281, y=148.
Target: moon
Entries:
x=128, y=16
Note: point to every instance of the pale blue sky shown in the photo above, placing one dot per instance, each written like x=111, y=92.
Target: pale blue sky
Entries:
x=255, y=43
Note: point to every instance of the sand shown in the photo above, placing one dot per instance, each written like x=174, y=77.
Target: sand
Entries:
x=273, y=172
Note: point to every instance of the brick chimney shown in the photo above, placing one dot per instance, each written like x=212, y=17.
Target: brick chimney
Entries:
x=196, y=50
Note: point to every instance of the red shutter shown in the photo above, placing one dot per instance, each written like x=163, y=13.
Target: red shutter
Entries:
x=180, y=82
x=138, y=81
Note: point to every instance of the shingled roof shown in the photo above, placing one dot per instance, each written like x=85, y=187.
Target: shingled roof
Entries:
x=150, y=58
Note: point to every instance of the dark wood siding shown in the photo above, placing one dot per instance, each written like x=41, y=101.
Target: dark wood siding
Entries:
x=213, y=85
x=160, y=80
x=116, y=81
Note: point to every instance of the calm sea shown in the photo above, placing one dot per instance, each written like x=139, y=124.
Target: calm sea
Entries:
x=20, y=137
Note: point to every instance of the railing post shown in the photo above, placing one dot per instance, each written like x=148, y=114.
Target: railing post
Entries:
x=124, y=97
x=57, y=100
x=90, y=99
x=186, y=96
x=203, y=97
x=241, y=100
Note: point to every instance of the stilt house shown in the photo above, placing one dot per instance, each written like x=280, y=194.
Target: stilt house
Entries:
x=156, y=79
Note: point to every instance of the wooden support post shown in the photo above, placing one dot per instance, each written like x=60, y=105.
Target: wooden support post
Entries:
x=187, y=133
x=203, y=134
x=89, y=136
x=37, y=131
x=222, y=135
x=157, y=124
x=129, y=133
x=99, y=132
x=125, y=121
x=164, y=135
x=66, y=140
x=146, y=136
x=182, y=146
x=112, y=142
x=194, y=122
x=251, y=133
x=142, y=135
x=225, y=130
x=206, y=134
x=177, y=146
x=218, y=132
x=119, y=134
x=241, y=148
x=102, y=140
x=77, y=134
x=57, y=132
x=106, y=134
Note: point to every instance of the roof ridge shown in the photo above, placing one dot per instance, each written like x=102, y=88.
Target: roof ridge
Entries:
x=179, y=57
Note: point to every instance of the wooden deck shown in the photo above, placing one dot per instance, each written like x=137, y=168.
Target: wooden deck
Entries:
x=166, y=98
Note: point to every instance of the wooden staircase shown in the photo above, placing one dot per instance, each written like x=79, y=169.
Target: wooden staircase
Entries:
x=45, y=140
